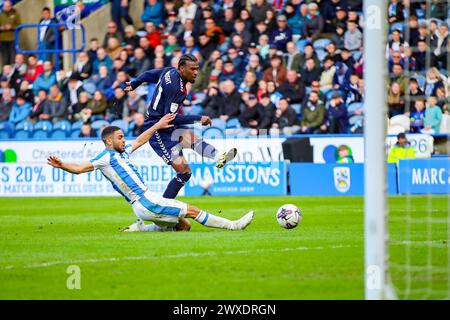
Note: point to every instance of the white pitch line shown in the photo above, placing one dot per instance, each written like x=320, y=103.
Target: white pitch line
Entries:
x=174, y=256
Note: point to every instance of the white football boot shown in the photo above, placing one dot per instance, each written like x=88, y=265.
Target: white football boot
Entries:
x=225, y=157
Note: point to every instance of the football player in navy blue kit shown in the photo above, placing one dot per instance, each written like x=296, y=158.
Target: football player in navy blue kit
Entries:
x=168, y=97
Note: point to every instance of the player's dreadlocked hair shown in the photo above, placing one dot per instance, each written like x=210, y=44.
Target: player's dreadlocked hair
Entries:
x=185, y=58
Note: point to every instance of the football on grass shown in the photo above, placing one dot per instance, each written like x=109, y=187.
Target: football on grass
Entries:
x=288, y=216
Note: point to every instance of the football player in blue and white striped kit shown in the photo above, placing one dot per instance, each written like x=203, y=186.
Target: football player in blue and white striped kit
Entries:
x=169, y=143
x=166, y=214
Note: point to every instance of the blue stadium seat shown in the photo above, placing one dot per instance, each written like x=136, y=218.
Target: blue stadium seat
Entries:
x=355, y=120
x=301, y=44
x=321, y=43
x=25, y=125
x=98, y=124
x=321, y=54
x=233, y=123
x=4, y=134
x=75, y=134
x=77, y=125
x=62, y=125
x=131, y=126
x=40, y=134
x=43, y=125
x=355, y=106
x=121, y=124
x=357, y=55
x=397, y=25
x=59, y=134
x=421, y=80
x=22, y=134
x=7, y=126
x=213, y=133
x=219, y=123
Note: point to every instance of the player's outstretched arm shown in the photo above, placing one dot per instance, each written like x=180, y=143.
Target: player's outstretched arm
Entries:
x=70, y=167
x=144, y=137
x=151, y=76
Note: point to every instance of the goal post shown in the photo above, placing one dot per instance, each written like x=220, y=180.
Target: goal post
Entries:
x=377, y=283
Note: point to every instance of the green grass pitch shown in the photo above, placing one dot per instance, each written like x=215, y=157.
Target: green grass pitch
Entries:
x=321, y=259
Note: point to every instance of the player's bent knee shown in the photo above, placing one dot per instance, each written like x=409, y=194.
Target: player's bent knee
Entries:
x=184, y=177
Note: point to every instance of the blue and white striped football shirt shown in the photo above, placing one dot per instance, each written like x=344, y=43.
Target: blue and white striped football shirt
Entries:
x=122, y=174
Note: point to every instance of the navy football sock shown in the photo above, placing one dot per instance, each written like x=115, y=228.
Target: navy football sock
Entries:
x=176, y=184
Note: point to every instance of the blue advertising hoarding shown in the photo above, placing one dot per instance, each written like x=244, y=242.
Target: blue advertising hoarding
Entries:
x=238, y=178
x=424, y=176
x=311, y=179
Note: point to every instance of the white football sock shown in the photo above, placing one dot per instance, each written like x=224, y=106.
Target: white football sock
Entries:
x=212, y=221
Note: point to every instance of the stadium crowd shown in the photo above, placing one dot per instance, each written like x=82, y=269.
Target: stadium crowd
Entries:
x=266, y=66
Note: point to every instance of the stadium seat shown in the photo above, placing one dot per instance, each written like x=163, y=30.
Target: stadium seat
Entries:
x=40, y=134
x=357, y=55
x=400, y=120
x=131, y=126
x=355, y=106
x=213, y=133
x=421, y=80
x=397, y=25
x=355, y=120
x=7, y=126
x=219, y=123
x=394, y=130
x=98, y=124
x=321, y=54
x=321, y=43
x=75, y=134
x=62, y=125
x=445, y=124
x=22, y=134
x=301, y=44
x=4, y=134
x=121, y=124
x=43, y=125
x=76, y=125
x=59, y=134
x=233, y=123
x=25, y=125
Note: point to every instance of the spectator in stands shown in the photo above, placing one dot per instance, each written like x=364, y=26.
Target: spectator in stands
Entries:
x=338, y=37
x=398, y=76
x=87, y=131
x=336, y=120
x=93, y=47
x=354, y=89
x=114, y=48
x=6, y=104
x=433, y=116
x=420, y=56
x=206, y=47
x=310, y=72
x=259, y=9
x=116, y=106
x=103, y=80
x=187, y=11
x=282, y=34
x=434, y=81
x=39, y=107
x=396, y=43
x=276, y=72
x=229, y=108
x=417, y=116
x=4, y=84
x=314, y=24
x=140, y=63
x=274, y=94
x=270, y=21
x=327, y=75
x=249, y=84
x=189, y=46
x=241, y=30
x=45, y=80
x=26, y=92
x=213, y=102
x=251, y=115
x=83, y=66
x=395, y=11
x=9, y=21
x=396, y=101
x=285, y=121
x=20, y=110
x=130, y=37
x=34, y=69
x=120, y=9
x=414, y=92
x=214, y=32
x=309, y=52
x=401, y=150
x=97, y=106
x=133, y=104
x=71, y=92
x=439, y=46
x=56, y=107
x=227, y=22
x=20, y=65
x=139, y=120
x=313, y=114
x=80, y=110
x=353, y=37
x=102, y=59
x=46, y=35
x=267, y=115
x=442, y=99
x=230, y=73
x=293, y=58
x=293, y=90
x=113, y=32
x=294, y=20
